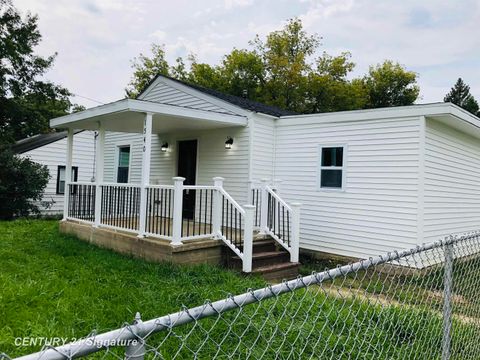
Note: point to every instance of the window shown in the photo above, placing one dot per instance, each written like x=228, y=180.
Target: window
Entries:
x=331, y=167
x=61, y=178
x=123, y=164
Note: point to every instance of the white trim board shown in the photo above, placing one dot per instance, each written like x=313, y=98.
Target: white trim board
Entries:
x=141, y=106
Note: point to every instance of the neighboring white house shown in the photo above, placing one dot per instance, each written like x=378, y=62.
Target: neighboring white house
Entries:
x=369, y=181
x=49, y=149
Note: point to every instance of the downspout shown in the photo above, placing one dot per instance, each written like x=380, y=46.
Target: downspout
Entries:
x=274, y=157
x=421, y=181
x=251, y=125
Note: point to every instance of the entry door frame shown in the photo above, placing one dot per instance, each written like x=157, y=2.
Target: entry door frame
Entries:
x=177, y=157
x=178, y=141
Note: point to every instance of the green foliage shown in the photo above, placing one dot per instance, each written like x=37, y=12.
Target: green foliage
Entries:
x=285, y=54
x=284, y=70
x=22, y=183
x=146, y=68
x=389, y=84
x=460, y=95
x=26, y=103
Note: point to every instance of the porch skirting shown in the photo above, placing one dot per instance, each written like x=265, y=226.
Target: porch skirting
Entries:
x=198, y=251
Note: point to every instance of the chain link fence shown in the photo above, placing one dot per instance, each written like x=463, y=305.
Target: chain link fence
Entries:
x=422, y=303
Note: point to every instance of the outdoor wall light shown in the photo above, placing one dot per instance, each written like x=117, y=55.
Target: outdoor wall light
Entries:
x=229, y=143
x=165, y=147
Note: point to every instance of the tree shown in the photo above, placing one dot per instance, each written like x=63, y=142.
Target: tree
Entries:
x=22, y=183
x=285, y=70
x=26, y=103
x=329, y=88
x=285, y=54
x=460, y=95
x=390, y=84
x=146, y=68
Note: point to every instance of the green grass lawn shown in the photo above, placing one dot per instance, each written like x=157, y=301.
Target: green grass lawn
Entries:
x=52, y=285
x=55, y=285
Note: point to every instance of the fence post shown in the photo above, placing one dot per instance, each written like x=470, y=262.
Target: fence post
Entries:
x=447, y=305
x=177, y=209
x=136, y=350
x=264, y=207
x=217, y=208
x=295, y=239
x=248, y=239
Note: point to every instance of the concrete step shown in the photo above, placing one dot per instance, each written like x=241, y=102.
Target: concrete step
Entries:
x=278, y=272
x=261, y=259
x=264, y=245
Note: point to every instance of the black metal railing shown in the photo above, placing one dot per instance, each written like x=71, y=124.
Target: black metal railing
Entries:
x=231, y=224
x=159, y=219
x=257, y=202
x=278, y=219
x=197, y=211
x=120, y=206
x=81, y=201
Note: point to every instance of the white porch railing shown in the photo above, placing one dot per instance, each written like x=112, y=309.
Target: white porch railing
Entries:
x=209, y=211
x=274, y=217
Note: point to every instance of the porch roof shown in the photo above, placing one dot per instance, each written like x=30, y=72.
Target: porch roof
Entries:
x=127, y=115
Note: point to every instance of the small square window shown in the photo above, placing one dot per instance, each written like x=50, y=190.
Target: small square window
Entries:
x=331, y=167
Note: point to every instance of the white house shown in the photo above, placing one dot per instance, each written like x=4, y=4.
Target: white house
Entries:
x=49, y=149
x=368, y=181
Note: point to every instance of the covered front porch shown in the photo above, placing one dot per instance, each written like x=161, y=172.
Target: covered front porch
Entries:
x=191, y=206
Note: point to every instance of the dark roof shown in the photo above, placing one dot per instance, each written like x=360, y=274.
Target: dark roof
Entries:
x=36, y=141
x=232, y=99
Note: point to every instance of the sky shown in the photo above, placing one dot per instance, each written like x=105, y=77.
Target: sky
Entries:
x=97, y=40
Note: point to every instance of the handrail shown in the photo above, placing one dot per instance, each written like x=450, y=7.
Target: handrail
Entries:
x=120, y=184
x=232, y=200
x=159, y=186
x=278, y=198
x=81, y=183
x=199, y=187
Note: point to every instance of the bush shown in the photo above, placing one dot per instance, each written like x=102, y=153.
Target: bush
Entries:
x=22, y=183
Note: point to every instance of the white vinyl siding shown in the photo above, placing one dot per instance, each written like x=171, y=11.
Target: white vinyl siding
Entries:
x=114, y=140
x=377, y=212
x=263, y=148
x=452, y=182
x=166, y=94
x=54, y=154
x=213, y=158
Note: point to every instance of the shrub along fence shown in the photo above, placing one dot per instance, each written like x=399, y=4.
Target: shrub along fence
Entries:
x=413, y=304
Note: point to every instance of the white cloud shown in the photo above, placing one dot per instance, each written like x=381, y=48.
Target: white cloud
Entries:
x=158, y=35
x=229, y=4
x=96, y=40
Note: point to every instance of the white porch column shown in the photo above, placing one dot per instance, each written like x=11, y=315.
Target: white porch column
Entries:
x=217, y=208
x=147, y=149
x=68, y=172
x=295, y=239
x=99, y=156
x=177, y=210
x=248, y=239
x=264, y=207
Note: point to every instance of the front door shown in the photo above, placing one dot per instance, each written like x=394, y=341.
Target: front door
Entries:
x=187, y=168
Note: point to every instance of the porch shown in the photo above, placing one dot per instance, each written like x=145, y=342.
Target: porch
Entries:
x=182, y=212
